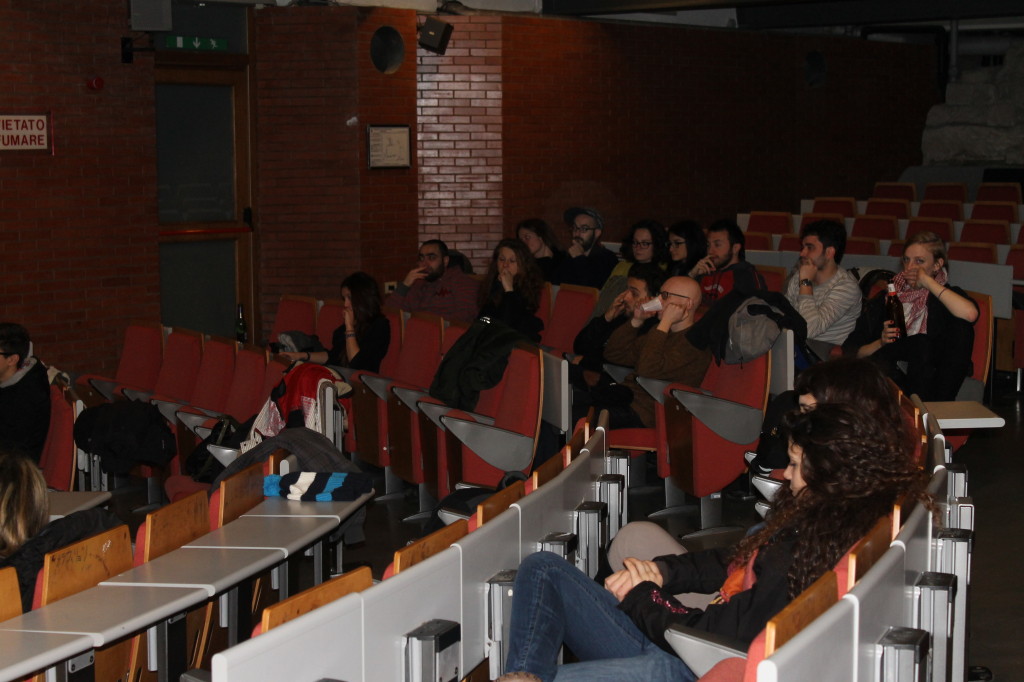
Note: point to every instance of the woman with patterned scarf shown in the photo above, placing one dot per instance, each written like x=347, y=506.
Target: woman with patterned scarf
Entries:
x=935, y=356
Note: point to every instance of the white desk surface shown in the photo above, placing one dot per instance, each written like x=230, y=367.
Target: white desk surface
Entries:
x=280, y=506
x=23, y=653
x=290, y=534
x=964, y=414
x=106, y=613
x=64, y=503
x=213, y=570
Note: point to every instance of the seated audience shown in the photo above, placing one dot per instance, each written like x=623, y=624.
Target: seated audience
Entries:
x=363, y=340
x=664, y=352
x=643, y=283
x=845, y=472
x=826, y=295
x=843, y=381
x=540, y=240
x=645, y=243
x=588, y=263
x=511, y=289
x=26, y=534
x=24, y=393
x=725, y=267
x=434, y=287
x=935, y=356
x=687, y=244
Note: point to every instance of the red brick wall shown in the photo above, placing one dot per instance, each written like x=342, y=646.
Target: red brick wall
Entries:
x=460, y=138
x=321, y=213
x=668, y=123
x=77, y=229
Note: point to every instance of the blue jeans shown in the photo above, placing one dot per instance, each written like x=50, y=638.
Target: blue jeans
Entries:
x=555, y=603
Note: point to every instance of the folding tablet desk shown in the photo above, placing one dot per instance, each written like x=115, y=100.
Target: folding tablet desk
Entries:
x=105, y=614
x=964, y=414
x=64, y=503
x=214, y=570
x=23, y=653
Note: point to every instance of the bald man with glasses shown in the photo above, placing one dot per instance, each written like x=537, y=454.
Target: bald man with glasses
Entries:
x=662, y=353
x=588, y=263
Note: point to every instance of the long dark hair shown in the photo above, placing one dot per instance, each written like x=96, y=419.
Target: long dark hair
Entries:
x=857, y=382
x=696, y=245
x=854, y=470
x=528, y=280
x=659, y=240
x=366, y=300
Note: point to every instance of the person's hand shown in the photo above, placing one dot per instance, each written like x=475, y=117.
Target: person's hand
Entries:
x=350, y=321
x=640, y=316
x=704, y=266
x=806, y=270
x=671, y=313
x=643, y=571
x=506, y=278
x=576, y=249
x=619, y=584
x=617, y=307
x=635, y=572
x=890, y=332
x=417, y=273
x=923, y=280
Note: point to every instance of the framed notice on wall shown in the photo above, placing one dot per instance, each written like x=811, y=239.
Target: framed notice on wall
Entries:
x=25, y=133
x=388, y=146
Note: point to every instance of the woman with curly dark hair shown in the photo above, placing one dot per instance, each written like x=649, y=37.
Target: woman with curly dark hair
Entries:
x=511, y=288
x=846, y=471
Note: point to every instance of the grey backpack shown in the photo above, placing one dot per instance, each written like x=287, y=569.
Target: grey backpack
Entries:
x=753, y=328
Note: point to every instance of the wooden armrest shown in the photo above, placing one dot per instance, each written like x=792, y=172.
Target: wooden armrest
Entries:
x=701, y=650
x=735, y=422
x=503, y=449
x=105, y=387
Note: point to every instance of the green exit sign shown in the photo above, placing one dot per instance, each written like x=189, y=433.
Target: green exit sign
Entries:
x=196, y=43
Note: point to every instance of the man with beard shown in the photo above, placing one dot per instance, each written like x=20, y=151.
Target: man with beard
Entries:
x=588, y=263
x=725, y=267
x=643, y=283
x=433, y=287
x=826, y=295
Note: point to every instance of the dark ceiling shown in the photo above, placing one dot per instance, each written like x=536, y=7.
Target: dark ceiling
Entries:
x=761, y=14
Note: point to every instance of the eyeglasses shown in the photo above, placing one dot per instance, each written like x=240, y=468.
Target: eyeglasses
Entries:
x=642, y=245
x=582, y=228
x=665, y=294
x=673, y=243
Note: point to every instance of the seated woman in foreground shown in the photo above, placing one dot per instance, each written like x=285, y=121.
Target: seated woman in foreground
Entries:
x=845, y=473
x=363, y=340
x=26, y=532
x=940, y=336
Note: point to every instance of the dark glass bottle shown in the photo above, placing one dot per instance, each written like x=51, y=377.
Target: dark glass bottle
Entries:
x=894, y=311
x=241, y=330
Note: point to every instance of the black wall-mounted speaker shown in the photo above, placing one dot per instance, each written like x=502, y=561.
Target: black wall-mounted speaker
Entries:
x=434, y=35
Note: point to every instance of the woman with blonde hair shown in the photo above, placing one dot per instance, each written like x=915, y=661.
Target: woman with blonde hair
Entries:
x=25, y=534
x=934, y=357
